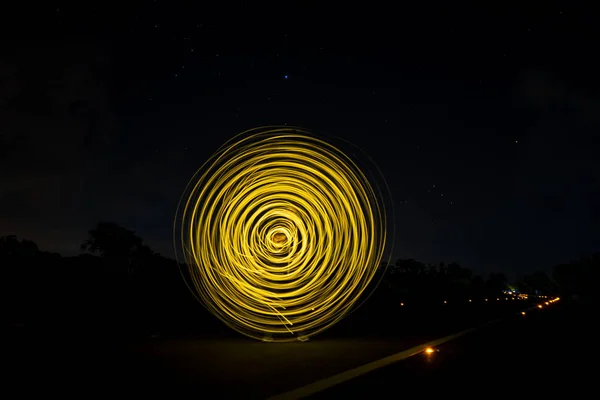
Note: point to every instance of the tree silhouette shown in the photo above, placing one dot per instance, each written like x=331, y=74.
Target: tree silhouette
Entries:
x=11, y=246
x=539, y=281
x=110, y=240
x=579, y=279
x=496, y=282
x=100, y=286
x=119, y=245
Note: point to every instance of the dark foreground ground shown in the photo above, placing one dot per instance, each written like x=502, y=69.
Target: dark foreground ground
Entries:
x=546, y=353
x=545, y=346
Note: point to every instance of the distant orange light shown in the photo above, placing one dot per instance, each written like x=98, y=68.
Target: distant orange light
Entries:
x=547, y=303
x=401, y=304
x=469, y=300
x=445, y=302
x=539, y=306
x=485, y=299
x=523, y=312
x=429, y=350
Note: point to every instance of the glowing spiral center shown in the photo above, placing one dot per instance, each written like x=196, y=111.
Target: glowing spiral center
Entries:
x=281, y=233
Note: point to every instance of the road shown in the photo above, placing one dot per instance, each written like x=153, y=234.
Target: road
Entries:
x=543, y=353
x=77, y=366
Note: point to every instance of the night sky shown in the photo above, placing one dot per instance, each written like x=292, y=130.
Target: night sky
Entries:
x=485, y=122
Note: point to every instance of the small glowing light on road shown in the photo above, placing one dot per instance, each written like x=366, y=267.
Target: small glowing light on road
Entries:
x=547, y=303
x=429, y=350
x=539, y=306
x=401, y=304
x=522, y=312
x=469, y=300
x=497, y=298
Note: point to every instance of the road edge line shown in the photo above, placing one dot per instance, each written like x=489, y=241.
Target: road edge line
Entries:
x=326, y=383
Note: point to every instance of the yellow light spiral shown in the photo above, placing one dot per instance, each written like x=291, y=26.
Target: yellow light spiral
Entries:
x=281, y=232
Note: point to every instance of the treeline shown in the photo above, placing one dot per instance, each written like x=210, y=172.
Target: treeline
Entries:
x=117, y=282
x=579, y=279
x=417, y=282
x=120, y=282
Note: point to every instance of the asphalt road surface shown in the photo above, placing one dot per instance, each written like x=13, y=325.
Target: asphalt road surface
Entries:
x=547, y=352
x=238, y=368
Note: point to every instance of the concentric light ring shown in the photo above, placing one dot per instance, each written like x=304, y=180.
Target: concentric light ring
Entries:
x=281, y=233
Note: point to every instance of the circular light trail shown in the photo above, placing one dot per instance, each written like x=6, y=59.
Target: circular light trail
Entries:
x=281, y=233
